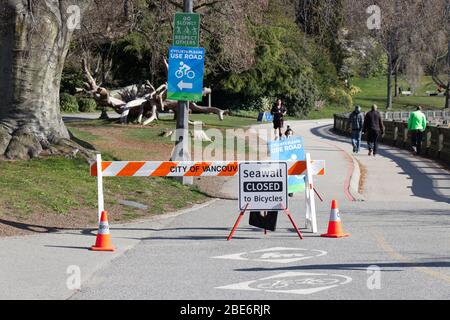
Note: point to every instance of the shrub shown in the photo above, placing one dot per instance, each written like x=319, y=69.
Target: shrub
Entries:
x=71, y=79
x=354, y=90
x=68, y=103
x=87, y=105
x=340, y=97
x=301, y=101
x=260, y=104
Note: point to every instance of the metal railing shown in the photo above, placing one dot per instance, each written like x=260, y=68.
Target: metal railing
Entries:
x=404, y=115
x=438, y=116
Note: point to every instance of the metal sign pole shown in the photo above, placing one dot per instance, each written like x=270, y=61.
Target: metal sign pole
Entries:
x=182, y=133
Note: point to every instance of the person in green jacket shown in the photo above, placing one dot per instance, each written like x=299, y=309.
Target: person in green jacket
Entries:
x=417, y=124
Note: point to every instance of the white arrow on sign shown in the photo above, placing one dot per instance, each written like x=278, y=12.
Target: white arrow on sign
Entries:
x=184, y=85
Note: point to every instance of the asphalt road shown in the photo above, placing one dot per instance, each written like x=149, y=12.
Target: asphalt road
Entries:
x=398, y=248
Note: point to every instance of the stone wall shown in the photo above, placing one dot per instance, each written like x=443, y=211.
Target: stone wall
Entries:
x=435, y=144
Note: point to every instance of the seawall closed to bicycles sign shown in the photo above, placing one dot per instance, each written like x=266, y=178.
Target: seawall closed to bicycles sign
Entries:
x=186, y=71
x=263, y=186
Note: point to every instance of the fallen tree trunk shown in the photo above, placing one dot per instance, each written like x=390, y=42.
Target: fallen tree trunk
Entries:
x=135, y=106
x=196, y=108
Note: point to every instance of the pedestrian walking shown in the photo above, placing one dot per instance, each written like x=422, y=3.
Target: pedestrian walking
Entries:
x=356, y=121
x=373, y=128
x=417, y=124
x=278, y=112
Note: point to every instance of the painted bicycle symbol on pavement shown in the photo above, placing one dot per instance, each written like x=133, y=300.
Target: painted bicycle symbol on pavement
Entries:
x=276, y=255
x=281, y=284
x=302, y=283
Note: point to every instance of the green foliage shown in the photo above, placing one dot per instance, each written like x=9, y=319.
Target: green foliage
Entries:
x=322, y=20
x=278, y=57
x=354, y=90
x=282, y=69
x=301, y=101
x=68, y=103
x=87, y=105
x=325, y=75
x=131, y=56
x=71, y=79
x=340, y=97
x=374, y=64
x=260, y=104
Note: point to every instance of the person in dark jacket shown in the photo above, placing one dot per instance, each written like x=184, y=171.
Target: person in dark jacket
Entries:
x=374, y=128
x=356, y=122
x=278, y=111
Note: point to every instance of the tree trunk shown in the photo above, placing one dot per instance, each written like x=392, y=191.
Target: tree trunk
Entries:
x=447, y=91
x=396, y=82
x=389, y=83
x=34, y=41
x=447, y=94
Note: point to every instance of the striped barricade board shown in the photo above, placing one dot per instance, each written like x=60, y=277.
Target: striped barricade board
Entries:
x=193, y=169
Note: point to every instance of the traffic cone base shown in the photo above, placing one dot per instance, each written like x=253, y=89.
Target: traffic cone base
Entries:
x=103, y=241
x=103, y=244
x=94, y=248
x=335, y=224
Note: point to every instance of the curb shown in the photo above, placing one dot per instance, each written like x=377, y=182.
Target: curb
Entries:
x=355, y=179
x=356, y=174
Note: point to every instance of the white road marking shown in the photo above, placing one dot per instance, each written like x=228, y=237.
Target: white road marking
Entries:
x=275, y=255
x=301, y=283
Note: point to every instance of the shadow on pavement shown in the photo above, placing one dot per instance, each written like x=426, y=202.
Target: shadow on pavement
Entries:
x=355, y=266
x=196, y=238
x=41, y=229
x=422, y=183
x=67, y=247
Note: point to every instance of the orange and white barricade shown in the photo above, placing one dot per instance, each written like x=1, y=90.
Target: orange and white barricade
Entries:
x=101, y=169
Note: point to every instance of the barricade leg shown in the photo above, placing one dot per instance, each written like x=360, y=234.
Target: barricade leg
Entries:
x=293, y=223
x=265, y=216
x=318, y=194
x=101, y=202
x=236, y=224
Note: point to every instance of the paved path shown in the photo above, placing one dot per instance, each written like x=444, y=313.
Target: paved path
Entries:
x=402, y=228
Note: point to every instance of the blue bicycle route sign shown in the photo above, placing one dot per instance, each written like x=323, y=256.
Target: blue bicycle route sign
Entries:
x=291, y=150
x=186, y=71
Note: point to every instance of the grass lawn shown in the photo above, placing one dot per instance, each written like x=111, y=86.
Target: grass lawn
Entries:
x=326, y=112
x=374, y=91
x=59, y=192
x=54, y=193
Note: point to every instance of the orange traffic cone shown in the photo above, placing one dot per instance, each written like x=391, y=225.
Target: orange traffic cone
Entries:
x=334, y=225
x=103, y=242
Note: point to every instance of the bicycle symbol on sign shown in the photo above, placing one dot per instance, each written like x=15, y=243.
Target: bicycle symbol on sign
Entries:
x=184, y=70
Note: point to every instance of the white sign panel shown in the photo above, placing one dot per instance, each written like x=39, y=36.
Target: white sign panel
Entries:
x=263, y=186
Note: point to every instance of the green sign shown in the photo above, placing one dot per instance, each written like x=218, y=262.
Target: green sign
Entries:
x=186, y=30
